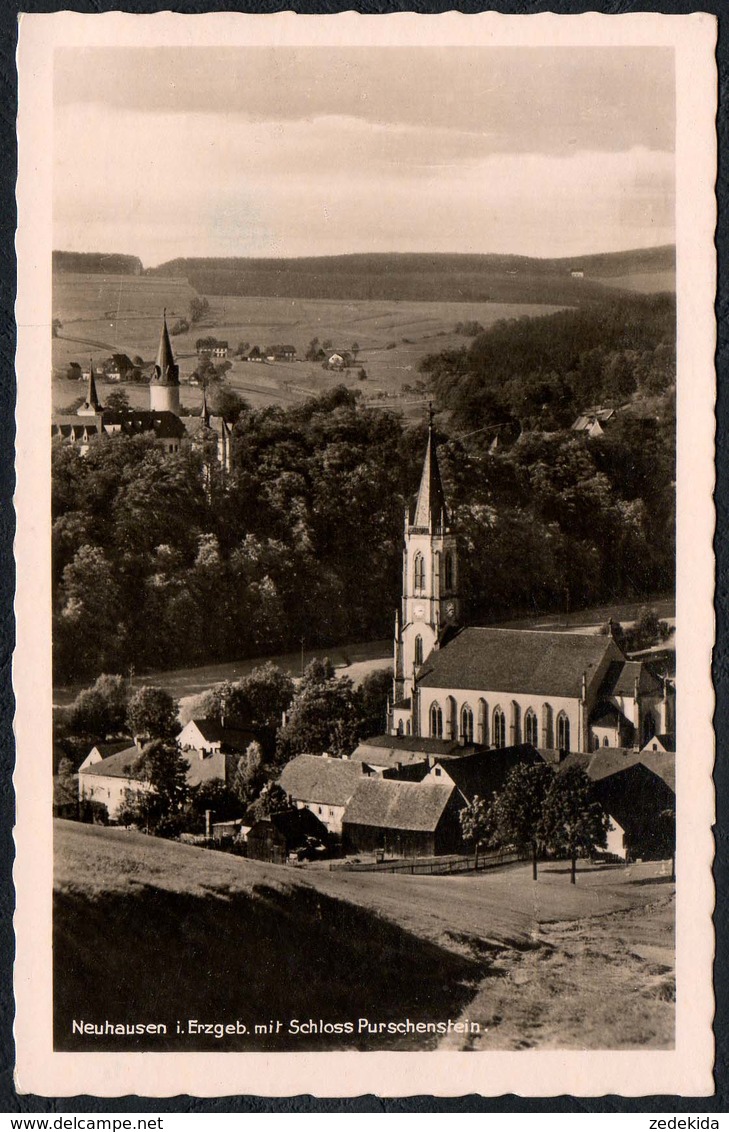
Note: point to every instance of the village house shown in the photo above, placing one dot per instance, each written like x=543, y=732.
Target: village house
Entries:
x=212, y=751
x=280, y=353
x=501, y=687
x=107, y=780
x=593, y=422
x=323, y=785
x=482, y=773
x=637, y=790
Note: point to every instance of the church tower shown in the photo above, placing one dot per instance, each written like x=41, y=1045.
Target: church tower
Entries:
x=430, y=584
x=164, y=384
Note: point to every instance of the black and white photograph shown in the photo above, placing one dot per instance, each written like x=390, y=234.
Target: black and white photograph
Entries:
x=371, y=709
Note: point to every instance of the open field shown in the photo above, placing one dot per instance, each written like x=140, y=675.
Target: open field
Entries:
x=121, y=314
x=644, y=283
x=350, y=660
x=357, y=660
x=199, y=934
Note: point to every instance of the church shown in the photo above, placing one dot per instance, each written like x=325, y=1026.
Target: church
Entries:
x=163, y=418
x=558, y=691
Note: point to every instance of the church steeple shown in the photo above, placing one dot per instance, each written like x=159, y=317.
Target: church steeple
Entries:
x=430, y=587
x=430, y=512
x=164, y=384
x=92, y=404
x=205, y=411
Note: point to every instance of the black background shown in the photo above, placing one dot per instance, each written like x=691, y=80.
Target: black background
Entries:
x=10, y=1101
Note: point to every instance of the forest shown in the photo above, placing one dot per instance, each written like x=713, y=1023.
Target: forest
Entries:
x=159, y=562
x=418, y=276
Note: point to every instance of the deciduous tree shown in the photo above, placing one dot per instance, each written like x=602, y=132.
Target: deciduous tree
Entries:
x=573, y=822
x=516, y=811
x=152, y=713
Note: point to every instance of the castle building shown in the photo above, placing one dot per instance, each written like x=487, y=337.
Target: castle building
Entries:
x=164, y=384
x=501, y=687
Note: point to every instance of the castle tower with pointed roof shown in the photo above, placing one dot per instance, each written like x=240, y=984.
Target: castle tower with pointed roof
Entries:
x=92, y=405
x=431, y=601
x=164, y=384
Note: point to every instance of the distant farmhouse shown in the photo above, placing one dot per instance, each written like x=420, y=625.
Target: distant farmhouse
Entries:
x=280, y=353
x=211, y=348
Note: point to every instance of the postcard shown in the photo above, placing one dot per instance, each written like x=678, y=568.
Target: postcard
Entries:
x=365, y=575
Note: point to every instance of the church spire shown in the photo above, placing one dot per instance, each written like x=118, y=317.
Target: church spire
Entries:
x=430, y=507
x=205, y=411
x=167, y=371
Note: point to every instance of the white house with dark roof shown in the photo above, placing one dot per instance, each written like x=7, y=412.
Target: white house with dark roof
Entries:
x=501, y=687
x=107, y=780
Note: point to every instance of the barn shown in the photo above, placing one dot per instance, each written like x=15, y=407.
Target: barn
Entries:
x=274, y=837
x=406, y=819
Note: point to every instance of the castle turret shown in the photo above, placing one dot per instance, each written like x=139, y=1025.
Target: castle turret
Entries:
x=164, y=384
x=92, y=404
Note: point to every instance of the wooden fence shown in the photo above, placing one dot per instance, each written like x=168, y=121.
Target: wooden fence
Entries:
x=433, y=866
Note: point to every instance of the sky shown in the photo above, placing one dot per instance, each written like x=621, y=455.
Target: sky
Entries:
x=167, y=152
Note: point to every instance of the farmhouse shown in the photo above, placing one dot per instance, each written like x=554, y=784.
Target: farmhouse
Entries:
x=323, y=785
x=107, y=780
x=212, y=751
x=280, y=353
x=638, y=791
x=483, y=773
x=499, y=687
x=409, y=819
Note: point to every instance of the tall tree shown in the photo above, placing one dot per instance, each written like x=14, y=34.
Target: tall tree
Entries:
x=476, y=823
x=516, y=811
x=159, y=807
x=152, y=713
x=573, y=822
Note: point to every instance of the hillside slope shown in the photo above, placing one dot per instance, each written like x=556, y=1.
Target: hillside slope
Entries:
x=152, y=931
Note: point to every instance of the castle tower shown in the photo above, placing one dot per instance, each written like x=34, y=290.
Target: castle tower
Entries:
x=430, y=582
x=92, y=404
x=164, y=384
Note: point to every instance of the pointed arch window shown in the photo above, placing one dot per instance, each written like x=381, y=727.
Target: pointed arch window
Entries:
x=436, y=721
x=563, y=732
x=419, y=573
x=466, y=724
x=499, y=728
x=450, y=572
x=418, y=651
x=531, y=727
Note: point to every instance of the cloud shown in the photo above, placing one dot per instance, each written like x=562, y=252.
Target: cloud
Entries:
x=553, y=100
x=163, y=185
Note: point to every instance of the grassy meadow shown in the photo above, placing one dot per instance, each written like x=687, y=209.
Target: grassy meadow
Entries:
x=201, y=934
x=121, y=314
